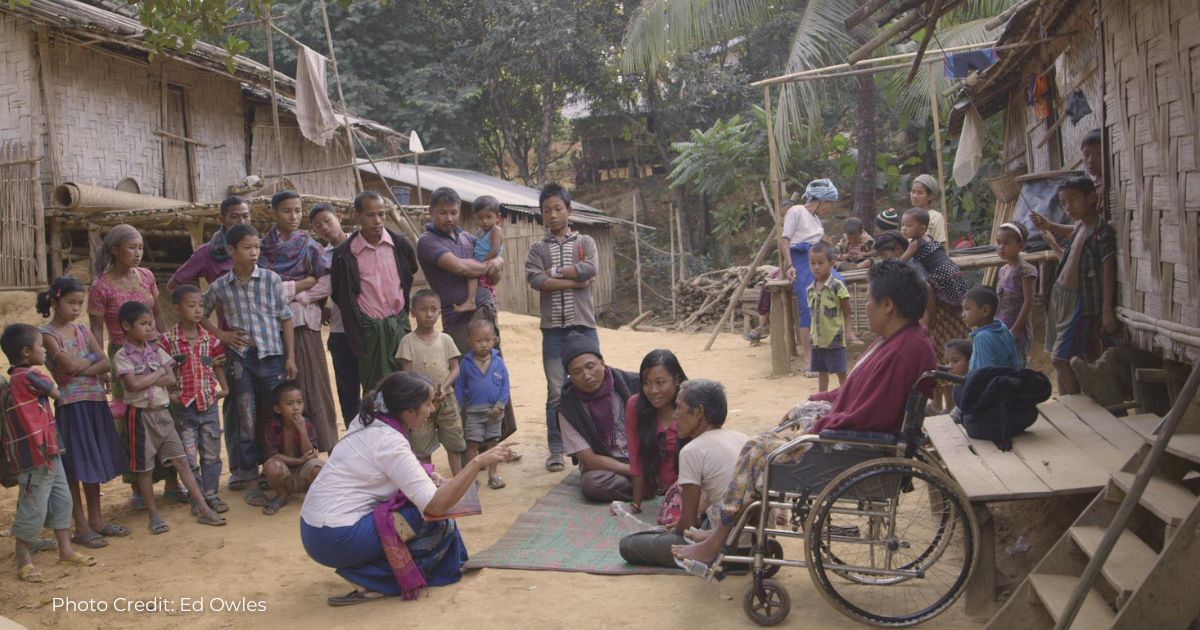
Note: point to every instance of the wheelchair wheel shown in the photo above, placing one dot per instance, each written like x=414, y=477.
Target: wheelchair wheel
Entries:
x=767, y=604
x=891, y=542
x=773, y=550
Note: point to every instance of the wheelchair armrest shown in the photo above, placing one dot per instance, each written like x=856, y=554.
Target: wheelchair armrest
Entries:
x=869, y=437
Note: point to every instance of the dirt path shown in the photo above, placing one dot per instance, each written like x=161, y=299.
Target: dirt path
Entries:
x=259, y=559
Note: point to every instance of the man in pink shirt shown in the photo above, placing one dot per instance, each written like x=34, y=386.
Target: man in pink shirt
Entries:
x=372, y=274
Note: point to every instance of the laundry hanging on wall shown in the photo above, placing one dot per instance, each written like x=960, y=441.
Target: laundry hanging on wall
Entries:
x=314, y=111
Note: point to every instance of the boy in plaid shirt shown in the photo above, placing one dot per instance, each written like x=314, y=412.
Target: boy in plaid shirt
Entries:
x=200, y=367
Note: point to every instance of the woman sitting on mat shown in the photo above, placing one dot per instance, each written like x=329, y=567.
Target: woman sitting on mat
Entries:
x=871, y=399
x=706, y=464
x=591, y=416
x=365, y=515
x=650, y=427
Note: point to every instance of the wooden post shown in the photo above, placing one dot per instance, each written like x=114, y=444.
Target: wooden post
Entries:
x=776, y=196
x=737, y=293
x=937, y=131
x=56, y=255
x=337, y=80
x=417, y=168
x=637, y=251
x=671, y=230
x=679, y=236
x=781, y=327
x=274, y=94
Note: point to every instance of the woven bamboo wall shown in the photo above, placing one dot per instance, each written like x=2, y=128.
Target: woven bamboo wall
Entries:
x=300, y=155
x=17, y=81
x=22, y=248
x=216, y=117
x=1071, y=70
x=1152, y=50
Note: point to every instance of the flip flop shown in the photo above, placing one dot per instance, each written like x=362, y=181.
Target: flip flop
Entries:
x=497, y=482
x=255, y=497
x=211, y=518
x=554, y=463
x=158, y=526
x=112, y=530
x=237, y=484
x=29, y=573
x=137, y=502
x=274, y=505
x=78, y=560
x=354, y=597
x=217, y=505
x=43, y=544
x=91, y=540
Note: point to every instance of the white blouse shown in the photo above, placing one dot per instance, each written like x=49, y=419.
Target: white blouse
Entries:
x=368, y=465
x=801, y=226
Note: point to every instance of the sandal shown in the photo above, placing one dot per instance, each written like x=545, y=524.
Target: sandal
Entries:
x=158, y=526
x=810, y=374
x=91, y=540
x=354, y=597
x=78, y=560
x=274, y=505
x=211, y=518
x=255, y=497
x=237, y=484
x=180, y=495
x=554, y=463
x=497, y=482
x=29, y=573
x=43, y=544
x=113, y=530
x=217, y=505
x=137, y=502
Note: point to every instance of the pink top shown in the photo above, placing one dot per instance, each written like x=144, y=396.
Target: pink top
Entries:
x=381, y=296
x=667, y=439
x=106, y=298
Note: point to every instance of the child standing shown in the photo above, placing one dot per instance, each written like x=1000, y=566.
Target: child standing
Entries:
x=992, y=344
x=292, y=459
x=483, y=391
x=32, y=446
x=92, y=452
x=432, y=354
x=200, y=360
x=489, y=243
x=855, y=248
x=1015, y=285
x=829, y=303
x=1083, y=298
x=146, y=371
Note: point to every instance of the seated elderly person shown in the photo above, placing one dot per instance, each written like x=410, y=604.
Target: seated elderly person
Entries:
x=871, y=399
x=591, y=416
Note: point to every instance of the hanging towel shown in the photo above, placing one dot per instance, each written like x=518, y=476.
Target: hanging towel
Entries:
x=970, y=147
x=314, y=112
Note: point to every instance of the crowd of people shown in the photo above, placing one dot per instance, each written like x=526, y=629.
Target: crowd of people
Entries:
x=145, y=406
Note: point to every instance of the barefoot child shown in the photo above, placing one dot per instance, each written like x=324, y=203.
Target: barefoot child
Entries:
x=1015, y=285
x=201, y=383
x=432, y=354
x=292, y=459
x=829, y=302
x=30, y=439
x=92, y=452
x=146, y=371
x=992, y=344
x=489, y=242
x=483, y=391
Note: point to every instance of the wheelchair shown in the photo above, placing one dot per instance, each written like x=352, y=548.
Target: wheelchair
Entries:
x=889, y=537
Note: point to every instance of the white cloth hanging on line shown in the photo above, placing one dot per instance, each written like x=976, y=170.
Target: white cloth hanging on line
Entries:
x=314, y=111
x=970, y=147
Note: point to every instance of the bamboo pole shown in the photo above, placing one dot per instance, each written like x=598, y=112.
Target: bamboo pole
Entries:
x=737, y=293
x=679, y=237
x=337, y=80
x=400, y=217
x=674, y=301
x=417, y=169
x=937, y=131
x=274, y=93
x=637, y=252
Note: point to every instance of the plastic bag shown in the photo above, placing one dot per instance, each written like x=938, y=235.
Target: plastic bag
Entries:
x=628, y=521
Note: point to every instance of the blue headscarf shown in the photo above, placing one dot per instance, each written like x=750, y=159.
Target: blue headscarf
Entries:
x=821, y=190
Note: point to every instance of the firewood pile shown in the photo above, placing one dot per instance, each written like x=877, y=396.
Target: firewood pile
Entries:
x=703, y=299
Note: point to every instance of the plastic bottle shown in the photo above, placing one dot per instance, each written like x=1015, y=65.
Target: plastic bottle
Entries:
x=694, y=567
x=629, y=522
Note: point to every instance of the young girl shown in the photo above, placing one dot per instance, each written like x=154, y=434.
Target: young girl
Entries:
x=943, y=315
x=650, y=428
x=93, y=454
x=1015, y=285
x=489, y=241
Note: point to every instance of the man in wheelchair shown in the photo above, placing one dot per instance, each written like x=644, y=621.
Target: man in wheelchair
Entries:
x=872, y=399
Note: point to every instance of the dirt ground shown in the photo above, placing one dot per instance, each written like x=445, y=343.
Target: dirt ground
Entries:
x=257, y=561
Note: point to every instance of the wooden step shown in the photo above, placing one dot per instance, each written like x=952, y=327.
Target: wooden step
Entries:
x=1166, y=499
x=1129, y=563
x=1055, y=591
x=1183, y=445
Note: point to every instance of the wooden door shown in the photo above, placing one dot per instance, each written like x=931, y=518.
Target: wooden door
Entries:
x=178, y=163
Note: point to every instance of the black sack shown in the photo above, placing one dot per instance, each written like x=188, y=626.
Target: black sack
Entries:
x=998, y=403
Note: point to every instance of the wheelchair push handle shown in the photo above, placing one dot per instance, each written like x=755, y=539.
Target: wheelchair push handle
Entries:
x=942, y=373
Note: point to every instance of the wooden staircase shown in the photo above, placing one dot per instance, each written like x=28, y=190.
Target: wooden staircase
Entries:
x=1151, y=575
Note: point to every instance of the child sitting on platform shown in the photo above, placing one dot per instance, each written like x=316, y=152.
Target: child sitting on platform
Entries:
x=992, y=344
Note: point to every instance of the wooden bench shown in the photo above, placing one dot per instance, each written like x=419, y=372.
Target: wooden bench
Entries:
x=1071, y=449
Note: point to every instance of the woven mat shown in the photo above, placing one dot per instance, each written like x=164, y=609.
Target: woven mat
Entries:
x=564, y=532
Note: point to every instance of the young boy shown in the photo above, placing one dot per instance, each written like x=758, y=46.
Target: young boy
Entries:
x=1083, y=298
x=146, y=371
x=489, y=241
x=43, y=497
x=253, y=302
x=483, y=391
x=201, y=365
x=855, y=248
x=292, y=459
x=829, y=302
x=432, y=354
x=992, y=343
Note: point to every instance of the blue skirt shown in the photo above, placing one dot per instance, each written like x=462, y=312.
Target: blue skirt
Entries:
x=804, y=279
x=92, y=451
x=357, y=555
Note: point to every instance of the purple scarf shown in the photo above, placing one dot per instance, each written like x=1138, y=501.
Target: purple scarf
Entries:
x=600, y=408
x=292, y=258
x=408, y=575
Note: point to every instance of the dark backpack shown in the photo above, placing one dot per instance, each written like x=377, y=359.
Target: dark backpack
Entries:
x=999, y=403
x=8, y=466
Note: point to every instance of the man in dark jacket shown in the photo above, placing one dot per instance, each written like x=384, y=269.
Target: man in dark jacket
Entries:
x=372, y=273
x=591, y=416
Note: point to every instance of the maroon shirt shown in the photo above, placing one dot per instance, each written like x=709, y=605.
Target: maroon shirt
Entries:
x=201, y=265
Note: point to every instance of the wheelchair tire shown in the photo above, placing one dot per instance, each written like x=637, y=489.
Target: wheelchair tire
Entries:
x=772, y=550
x=904, y=531
x=767, y=605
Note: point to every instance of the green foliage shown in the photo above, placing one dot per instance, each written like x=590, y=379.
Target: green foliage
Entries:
x=716, y=160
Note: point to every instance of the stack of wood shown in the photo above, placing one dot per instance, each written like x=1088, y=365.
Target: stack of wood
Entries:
x=703, y=298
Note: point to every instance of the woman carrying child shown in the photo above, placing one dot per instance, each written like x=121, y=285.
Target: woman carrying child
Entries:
x=650, y=428
x=373, y=512
x=922, y=194
x=1015, y=285
x=299, y=260
x=801, y=230
x=92, y=452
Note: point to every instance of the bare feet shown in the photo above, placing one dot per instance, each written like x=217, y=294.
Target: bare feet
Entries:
x=697, y=535
x=705, y=551
x=465, y=307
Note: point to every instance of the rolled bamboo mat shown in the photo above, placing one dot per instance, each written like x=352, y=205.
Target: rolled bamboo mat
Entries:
x=93, y=199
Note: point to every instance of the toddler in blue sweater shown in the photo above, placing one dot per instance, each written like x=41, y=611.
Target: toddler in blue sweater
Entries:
x=482, y=391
